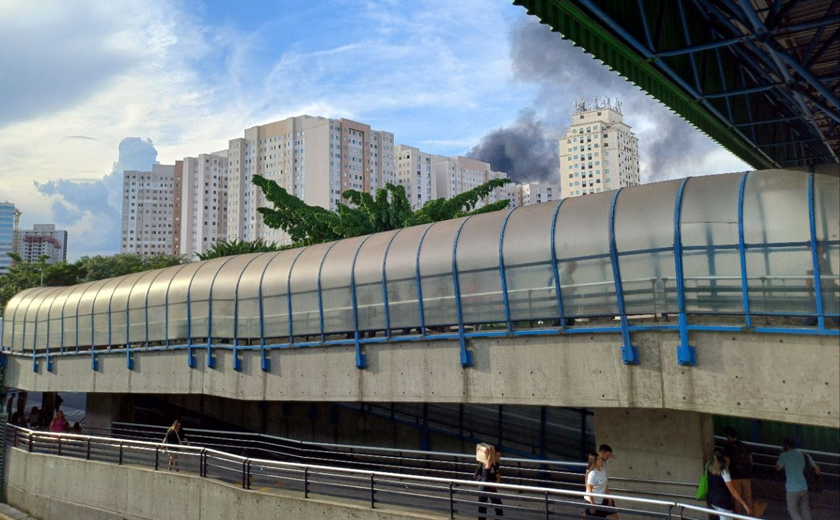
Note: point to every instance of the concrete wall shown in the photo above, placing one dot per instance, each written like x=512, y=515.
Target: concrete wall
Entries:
x=773, y=377
x=57, y=488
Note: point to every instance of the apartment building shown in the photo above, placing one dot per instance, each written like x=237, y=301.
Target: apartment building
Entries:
x=203, y=215
x=314, y=158
x=148, y=212
x=599, y=151
x=42, y=240
x=416, y=173
x=534, y=193
x=9, y=222
x=454, y=175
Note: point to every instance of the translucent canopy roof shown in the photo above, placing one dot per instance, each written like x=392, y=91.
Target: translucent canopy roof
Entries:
x=742, y=244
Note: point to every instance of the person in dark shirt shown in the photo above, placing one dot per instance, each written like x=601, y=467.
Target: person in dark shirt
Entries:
x=722, y=494
x=739, y=462
x=175, y=436
x=488, y=471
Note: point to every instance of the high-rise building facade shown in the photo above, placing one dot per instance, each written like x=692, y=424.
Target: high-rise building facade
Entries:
x=9, y=222
x=455, y=175
x=599, y=151
x=148, y=213
x=314, y=158
x=42, y=240
x=176, y=208
x=534, y=193
x=203, y=202
x=416, y=173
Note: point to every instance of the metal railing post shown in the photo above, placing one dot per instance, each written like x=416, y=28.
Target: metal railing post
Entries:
x=87, y=455
x=451, y=502
x=30, y=442
x=157, y=457
x=306, y=482
x=372, y=493
x=547, y=510
x=59, y=446
x=121, y=454
x=202, y=463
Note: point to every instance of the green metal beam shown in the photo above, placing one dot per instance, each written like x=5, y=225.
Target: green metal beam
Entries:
x=573, y=23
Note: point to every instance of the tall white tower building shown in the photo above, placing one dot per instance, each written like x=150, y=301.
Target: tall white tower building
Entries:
x=148, y=211
x=204, y=202
x=42, y=240
x=416, y=173
x=314, y=158
x=599, y=151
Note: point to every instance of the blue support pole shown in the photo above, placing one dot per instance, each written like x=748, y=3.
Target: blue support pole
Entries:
x=420, y=285
x=745, y=295
x=686, y=354
x=190, y=357
x=361, y=360
x=236, y=364
x=815, y=255
x=211, y=361
x=320, y=296
x=505, y=300
x=129, y=361
x=190, y=360
x=629, y=353
x=289, y=296
x=265, y=362
x=465, y=355
x=555, y=270
x=94, y=363
x=385, y=285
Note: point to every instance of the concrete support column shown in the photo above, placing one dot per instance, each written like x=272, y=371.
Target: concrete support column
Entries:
x=670, y=446
x=103, y=409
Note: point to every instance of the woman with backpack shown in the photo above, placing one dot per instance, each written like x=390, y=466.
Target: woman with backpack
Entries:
x=722, y=493
x=488, y=471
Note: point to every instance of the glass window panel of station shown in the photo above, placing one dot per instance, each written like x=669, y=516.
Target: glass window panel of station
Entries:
x=776, y=232
x=69, y=312
x=224, y=294
x=827, y=225
x=30, y=316
x=336, y=294
x=369, y=298
x=102, y=311
x=119, y=308
x=306, y=317
x=137, y=306
x=247, y=303
x=583, y=256
x=478, y=269
x=401, y=281
x=84, y=317
x=436, y=273
x=200, y=289
x=528, y=269
x=709, y=229
x=55, y=313
x=275, y=296
x=179, y=289
x=644, y=221
x=42, y=319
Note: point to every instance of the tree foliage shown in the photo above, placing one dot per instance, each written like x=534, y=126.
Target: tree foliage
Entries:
x=25, y=275
x=237, y=247
x=388, y=209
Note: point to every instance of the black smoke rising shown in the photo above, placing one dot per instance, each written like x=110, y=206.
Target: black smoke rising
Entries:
x=669, y=147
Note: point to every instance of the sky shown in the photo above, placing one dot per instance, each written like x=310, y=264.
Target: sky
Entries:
x=92, y=88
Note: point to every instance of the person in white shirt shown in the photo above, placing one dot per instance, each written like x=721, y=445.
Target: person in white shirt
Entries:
x=597, y=482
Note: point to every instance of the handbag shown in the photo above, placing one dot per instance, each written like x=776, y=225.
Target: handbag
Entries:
x=811, y=477
x=703, y=486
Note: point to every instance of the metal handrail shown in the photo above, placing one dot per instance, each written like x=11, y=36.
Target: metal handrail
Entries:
x=246, y=464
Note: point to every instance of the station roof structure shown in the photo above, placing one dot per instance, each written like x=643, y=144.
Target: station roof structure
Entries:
x=760, y=77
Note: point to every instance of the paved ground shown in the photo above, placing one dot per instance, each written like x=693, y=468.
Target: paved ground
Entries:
x=8, y=512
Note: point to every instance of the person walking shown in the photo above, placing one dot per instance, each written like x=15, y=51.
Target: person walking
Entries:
x=488, y=471
x=597, y=482
x=739, y=462
x=722, y=494
x=794, y=463
x=175, y=436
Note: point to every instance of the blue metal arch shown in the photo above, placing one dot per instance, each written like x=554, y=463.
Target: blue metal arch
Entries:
x=629, y=353
x=385, y=284
x=361, y=361
x=505, y=301
x=289, y=295
x=129, y=361
x=420, y=285
x=263, y=360
x=553, y=244
x=745, y=294
x=320, y=296
x=815, y=258
x=685, y=353
x=211, y=361
x=465, y=355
